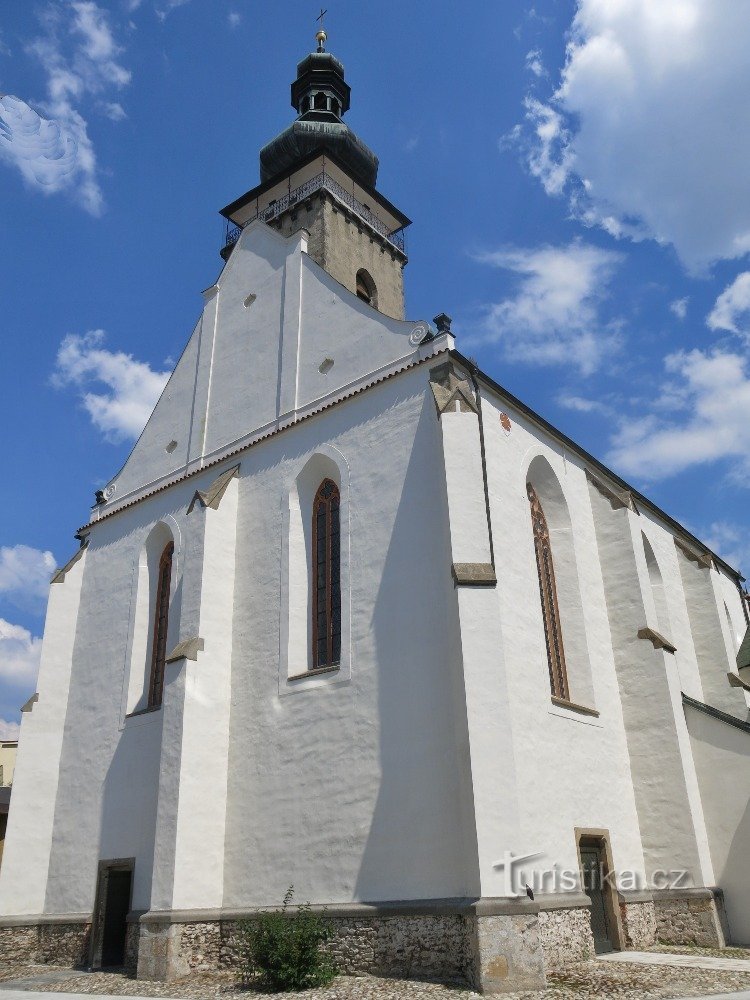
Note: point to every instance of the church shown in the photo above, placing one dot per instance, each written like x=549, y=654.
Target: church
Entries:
x=353, y=618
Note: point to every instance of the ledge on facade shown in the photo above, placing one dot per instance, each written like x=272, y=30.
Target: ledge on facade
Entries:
x=38, y=919
x=474, y=575
x=59, y=575
x=451, y=390
x=716, y=713
x=486, y=906
x=212, y=496
x=315, y=672
x=574, y=706
x=188, y=649
x=658, y=640
x=701, y=557
x=143, y=711
x=636, y=895
x=689, y=892
x=617, y=498
x=562, y=900
x=29, y=705
x=736, y=681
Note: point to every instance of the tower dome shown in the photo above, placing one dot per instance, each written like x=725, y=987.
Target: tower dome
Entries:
x=321, y=97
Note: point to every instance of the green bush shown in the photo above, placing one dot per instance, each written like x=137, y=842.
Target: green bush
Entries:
x=284, y=948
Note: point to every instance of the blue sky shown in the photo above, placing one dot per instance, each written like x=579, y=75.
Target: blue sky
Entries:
x=576, y=173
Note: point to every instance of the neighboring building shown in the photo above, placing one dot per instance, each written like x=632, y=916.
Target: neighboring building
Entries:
x=8, y=750
x=353, y=617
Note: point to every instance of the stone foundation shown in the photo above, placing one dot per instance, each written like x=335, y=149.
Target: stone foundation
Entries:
x=565, y=936
x=688, y=916
x=638, y=924
x=49, y=942
x=492, y=951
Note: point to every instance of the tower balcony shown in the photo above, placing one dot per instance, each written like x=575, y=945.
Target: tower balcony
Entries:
x=321, y=182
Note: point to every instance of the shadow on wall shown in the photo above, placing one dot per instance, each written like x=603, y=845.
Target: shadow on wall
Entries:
x=722, y=758
x=419, y=837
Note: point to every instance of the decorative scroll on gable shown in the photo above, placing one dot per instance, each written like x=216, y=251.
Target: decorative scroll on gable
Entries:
x=617, y=498
x=212, y=496
x=451, y=392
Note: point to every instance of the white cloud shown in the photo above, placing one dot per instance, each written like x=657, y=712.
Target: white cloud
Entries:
x=732, y=306
x=582, y=404
x=9, y=730
x=553, y=317
x=51, y=146
x=234, y=19
x=25, y=571
x=164, y=11
x=19, y=654
x=731, y=542
x=114, y=111
x=649, y=128
x=698, y=418
x=534, y=63
x=133, y=386
x=679, y=307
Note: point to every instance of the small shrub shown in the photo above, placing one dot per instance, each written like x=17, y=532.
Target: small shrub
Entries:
x=285, y=948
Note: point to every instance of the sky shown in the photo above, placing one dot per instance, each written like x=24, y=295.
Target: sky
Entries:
x=577, y=177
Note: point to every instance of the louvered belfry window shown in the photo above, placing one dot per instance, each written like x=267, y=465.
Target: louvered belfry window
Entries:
x=326, y=576
x=161, y=623
x=558, y=676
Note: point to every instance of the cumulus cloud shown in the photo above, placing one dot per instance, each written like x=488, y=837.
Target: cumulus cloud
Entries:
x=234, y=19
x=553, y=317
x=49, y=143
x=166, y=9
x=133, y=386
x=25, y=572
x=731, y=310
x=534, y=63
x=698, y=418
x=649, y=122
x=19, y=654
x=582, y=404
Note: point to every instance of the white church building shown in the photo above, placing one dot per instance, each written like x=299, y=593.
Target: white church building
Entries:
x=352, y=617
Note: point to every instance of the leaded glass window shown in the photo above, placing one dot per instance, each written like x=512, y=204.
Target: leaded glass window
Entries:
x=326, y=576
x=558, y=676
x=161, y=624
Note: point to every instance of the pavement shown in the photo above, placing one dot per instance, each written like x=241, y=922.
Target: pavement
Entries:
x=714, y=964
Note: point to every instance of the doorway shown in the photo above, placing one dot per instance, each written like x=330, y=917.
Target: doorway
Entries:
x=113, y=900
x=596, y=882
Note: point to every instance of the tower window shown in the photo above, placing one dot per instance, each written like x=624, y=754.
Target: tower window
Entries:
x=335, y=107
x=161, y=623
x=366, y=289
x=326, y=576
x=558, y=676
x=305, y=105
x=321, y=102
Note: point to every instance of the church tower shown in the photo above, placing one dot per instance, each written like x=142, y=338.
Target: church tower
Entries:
x=319, y=176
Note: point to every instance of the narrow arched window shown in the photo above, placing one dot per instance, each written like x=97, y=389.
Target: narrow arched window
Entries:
x=326, y=576
x=161, y=624
x=366, y=289
x=558, y=676
x=321, y=102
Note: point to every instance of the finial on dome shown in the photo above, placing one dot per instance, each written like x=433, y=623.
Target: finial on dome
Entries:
x=321, y=35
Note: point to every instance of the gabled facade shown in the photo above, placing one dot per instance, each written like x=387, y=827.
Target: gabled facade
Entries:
x=354, y=618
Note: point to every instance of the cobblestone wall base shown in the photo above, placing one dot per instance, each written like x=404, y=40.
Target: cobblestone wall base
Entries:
x=53, y=944
x=495, y=953
x=638, y=924
x=566, y=936
x=691, y=919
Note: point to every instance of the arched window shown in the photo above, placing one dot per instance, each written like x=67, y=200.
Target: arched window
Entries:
x=558, y=676
x=305, y=105
x=161, y=624
x=326, y=576
x=335, y=107
x=321, y=102
x=366, y=289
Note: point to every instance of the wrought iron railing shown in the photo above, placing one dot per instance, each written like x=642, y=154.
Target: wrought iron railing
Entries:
x=321, y=182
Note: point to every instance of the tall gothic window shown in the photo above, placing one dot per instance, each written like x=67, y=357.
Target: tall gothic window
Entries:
x=558, y=676
x=326, y=576
x=161, y=623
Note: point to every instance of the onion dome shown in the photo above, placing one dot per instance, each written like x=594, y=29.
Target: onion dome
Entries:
x=320, y=96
